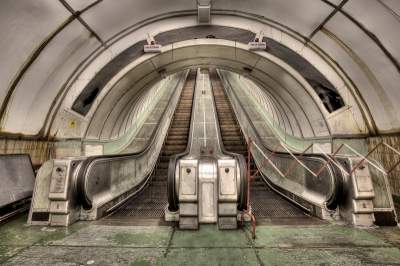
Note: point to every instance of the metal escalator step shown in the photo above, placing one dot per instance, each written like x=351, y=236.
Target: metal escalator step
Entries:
x=176, y=136
x=161, y=171
x=158, y=183
x=232, y=138
x=176, y=142
x=239, y=148
x=162, y=165
x=174, y=147
x=234, y=143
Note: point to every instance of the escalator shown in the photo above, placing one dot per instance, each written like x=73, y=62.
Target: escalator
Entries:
x=136, y=188
x=148, y=206
x=265, y=203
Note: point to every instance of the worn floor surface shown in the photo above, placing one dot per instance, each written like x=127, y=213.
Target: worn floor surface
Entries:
x=96, y=244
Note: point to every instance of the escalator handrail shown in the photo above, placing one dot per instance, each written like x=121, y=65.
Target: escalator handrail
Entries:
x=334, y=196
x=172, y=196
x=242, y=205
x=89, y=161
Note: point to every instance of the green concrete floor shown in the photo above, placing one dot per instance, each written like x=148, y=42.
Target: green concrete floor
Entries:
x=93, y=244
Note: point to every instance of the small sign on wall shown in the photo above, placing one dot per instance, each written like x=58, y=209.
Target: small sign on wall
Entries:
x=257, y=46
x=92, y=150
x=152, y=48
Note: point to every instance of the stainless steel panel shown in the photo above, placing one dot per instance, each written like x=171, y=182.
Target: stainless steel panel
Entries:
x=227, y=222
x=364, y=183
x=59, y=207
x=363, y=219
x=227, y=209
x=188, y=223
x=227, y=180
x=188, y=179
x=208, y=196
x=208, y=202
x=59, y=181
x=363, y=206
x=188, y=209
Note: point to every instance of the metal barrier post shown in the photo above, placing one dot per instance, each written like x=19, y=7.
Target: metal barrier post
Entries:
x=294, y=162
x=332, y=157
x=266, y=161
x=365, y=157
x=294, y=157
x=249, y=178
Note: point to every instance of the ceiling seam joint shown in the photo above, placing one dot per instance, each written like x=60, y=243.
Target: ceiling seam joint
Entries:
x=77, y=15
x=371, y=35
x=323, y=23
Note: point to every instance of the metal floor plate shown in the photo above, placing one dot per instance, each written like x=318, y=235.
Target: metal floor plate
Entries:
x=144, y=209
x=270, y=208
x=268, y=204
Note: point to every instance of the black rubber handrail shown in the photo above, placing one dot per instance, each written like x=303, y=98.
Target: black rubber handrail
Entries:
x=336, y=193
x=242, y=204
x=85, y=164
x=173, y=201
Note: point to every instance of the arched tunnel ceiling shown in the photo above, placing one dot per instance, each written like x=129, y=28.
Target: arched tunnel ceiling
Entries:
x=222, y=54
x=52, y=48
x=309, y=72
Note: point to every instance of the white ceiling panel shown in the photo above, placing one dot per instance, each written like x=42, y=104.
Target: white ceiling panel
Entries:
x=335, y=2
x=45, y=78
x=376, y=18
x=356, y=74
x=376, y=66
x=80, y=4
x=393, y=5
x=110, y=17
x=302, y=16
x=23, y=26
